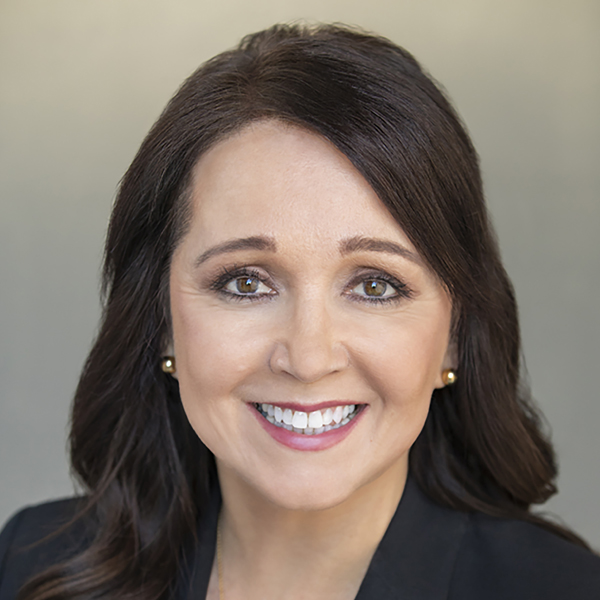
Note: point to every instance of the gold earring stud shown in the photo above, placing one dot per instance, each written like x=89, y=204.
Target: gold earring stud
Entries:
x=168, y=364
x=448, y=376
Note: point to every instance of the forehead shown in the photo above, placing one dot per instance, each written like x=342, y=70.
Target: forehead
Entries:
x=283, y=181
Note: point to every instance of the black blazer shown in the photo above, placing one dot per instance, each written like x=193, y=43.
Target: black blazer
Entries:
x=427, y=553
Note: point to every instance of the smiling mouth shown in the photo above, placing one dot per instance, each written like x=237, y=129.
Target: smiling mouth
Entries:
x=309, y=423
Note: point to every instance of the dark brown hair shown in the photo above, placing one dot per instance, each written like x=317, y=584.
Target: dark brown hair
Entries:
x=146, y=473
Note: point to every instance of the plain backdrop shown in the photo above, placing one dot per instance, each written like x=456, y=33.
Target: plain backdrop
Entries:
x=81, y=82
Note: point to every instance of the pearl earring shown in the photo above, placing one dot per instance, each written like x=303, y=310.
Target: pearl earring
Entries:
x=168, y=364
x=448, y=376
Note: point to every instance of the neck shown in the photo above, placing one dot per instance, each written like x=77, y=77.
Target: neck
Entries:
x=273, y=552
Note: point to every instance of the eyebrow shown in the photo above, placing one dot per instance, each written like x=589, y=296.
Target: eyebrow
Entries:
x=257, y=242
x=365, y=244
x=348, y=246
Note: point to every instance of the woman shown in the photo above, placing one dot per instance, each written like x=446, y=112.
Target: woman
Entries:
x=306, y=381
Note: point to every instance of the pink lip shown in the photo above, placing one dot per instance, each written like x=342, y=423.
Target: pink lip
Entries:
x=301, y=441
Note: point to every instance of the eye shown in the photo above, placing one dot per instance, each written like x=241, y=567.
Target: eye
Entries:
x=243, y=283
x=375, y=288
x=247, y=285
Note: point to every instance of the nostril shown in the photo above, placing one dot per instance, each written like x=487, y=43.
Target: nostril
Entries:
x=308, y=362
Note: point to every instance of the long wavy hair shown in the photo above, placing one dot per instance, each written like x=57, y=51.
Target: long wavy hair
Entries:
x=146, y=474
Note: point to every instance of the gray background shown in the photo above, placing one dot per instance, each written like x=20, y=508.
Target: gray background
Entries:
x=82, y=81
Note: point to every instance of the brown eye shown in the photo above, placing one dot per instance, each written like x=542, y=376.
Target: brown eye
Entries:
x=375, y=288
x=246, y=285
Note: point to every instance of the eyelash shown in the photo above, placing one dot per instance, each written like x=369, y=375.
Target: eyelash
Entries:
x=227, y=275
x=401, y=289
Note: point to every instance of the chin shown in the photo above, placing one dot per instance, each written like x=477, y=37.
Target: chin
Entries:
x=307, y=498
x=320, y=489
x=304, y=490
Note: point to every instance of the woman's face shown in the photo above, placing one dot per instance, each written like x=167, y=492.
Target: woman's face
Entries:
x=295, y=292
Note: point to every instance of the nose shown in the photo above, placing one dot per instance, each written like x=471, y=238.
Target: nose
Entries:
x=310, y=346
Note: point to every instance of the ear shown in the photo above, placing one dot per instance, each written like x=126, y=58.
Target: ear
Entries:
x=450, y=361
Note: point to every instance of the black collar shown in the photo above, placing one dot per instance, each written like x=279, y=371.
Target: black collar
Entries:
x=414, y=560
x=416, y=557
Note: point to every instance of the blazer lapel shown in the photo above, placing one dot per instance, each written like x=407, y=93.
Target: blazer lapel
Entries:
x=416, y=557
x=195, y=576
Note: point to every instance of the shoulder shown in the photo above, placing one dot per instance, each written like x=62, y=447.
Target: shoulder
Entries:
x=504, y=558
x=36, y=538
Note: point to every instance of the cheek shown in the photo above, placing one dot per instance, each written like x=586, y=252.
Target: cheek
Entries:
x=403, y=371
x=403, y=358
x=410, y=354
x=211, y=363
x=215, y=350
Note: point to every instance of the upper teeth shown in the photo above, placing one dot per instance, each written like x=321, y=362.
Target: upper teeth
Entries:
x=316, y=421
